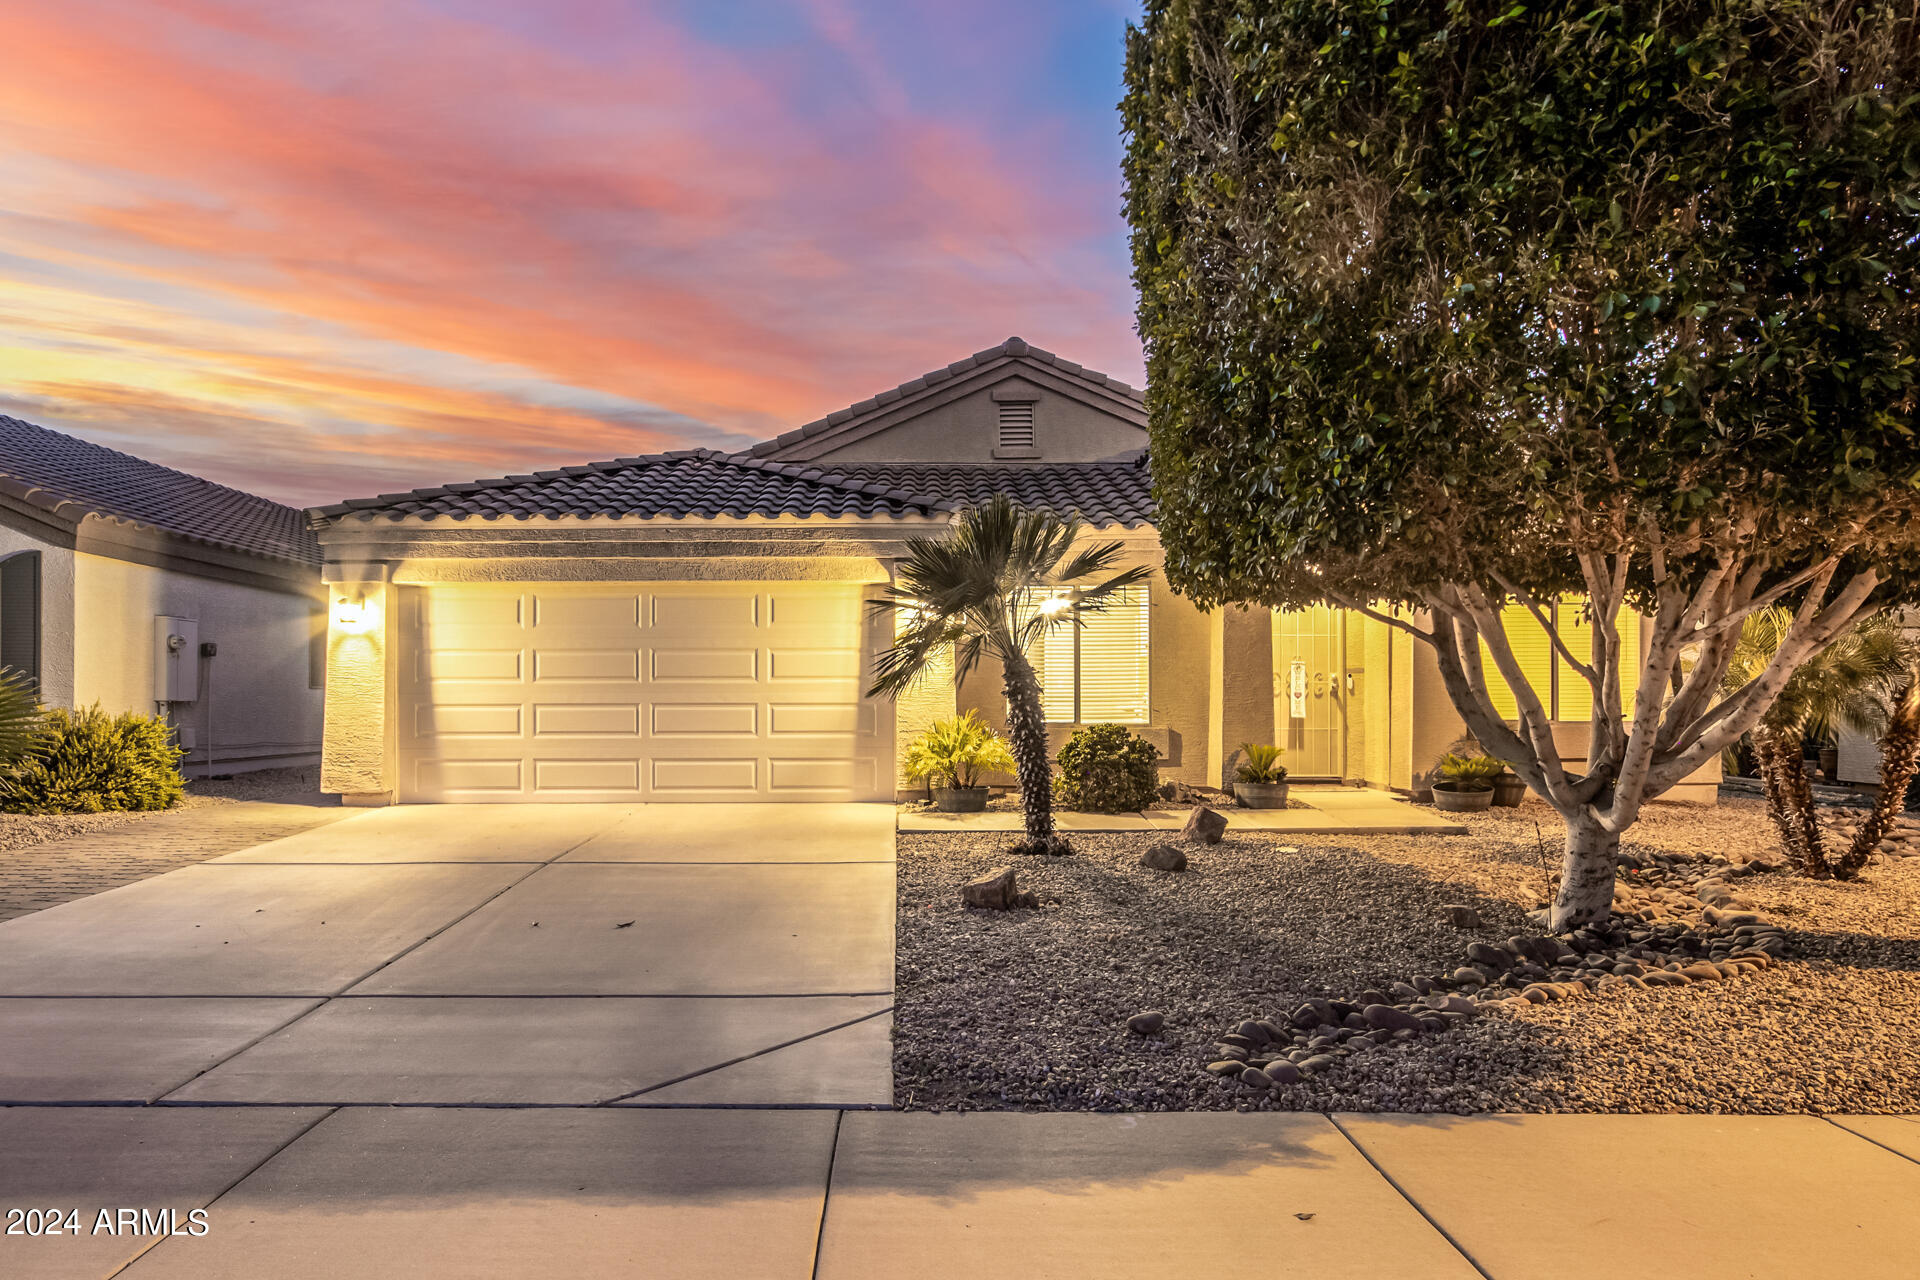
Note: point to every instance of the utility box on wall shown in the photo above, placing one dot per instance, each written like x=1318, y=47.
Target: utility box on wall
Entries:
x=176, y=659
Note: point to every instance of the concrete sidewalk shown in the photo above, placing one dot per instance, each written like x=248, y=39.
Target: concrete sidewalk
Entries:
x=1332, y=810
x=296, y=1192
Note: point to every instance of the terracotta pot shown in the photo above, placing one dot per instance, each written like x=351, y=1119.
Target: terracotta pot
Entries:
x=1452, y=801
x=1261, y=795
x=960, y=799
x=1830, y=763
x=1509, y=789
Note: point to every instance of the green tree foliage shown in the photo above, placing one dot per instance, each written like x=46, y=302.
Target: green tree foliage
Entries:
x=1106, y=769
x=984, y=589
x=90, y=762
x=1459, y=306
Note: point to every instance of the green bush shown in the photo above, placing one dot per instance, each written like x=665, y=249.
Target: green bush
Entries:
x=91, y=762
x=954, y=752
x=1105, y=769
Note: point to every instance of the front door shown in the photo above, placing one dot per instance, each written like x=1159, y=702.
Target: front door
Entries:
x=1309, y=690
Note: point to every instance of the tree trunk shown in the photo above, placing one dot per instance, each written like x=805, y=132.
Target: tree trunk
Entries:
x=1899, y=760
x=1586, y=875
x=1783, y=772
x=1027, y=739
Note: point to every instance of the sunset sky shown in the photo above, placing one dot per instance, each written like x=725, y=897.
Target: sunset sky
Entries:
x=331, y=249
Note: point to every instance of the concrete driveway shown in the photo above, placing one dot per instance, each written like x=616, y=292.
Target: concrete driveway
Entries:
x=631, y=955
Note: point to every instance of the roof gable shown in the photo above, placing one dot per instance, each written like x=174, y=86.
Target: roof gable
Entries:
x=1014, y=364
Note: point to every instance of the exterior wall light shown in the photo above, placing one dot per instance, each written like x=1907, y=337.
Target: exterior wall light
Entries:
x=350, y=615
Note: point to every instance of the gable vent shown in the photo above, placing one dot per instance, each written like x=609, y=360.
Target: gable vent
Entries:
x=1016, y=424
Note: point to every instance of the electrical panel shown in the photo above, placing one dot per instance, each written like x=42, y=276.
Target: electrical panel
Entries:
x=176, y=659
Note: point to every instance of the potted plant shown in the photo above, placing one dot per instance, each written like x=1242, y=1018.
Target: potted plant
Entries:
x=1466, y=782
x=951, y=755
x=1262, y=778
x=1509, y=789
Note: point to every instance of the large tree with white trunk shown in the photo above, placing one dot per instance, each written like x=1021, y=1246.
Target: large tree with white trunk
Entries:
x=1457, y=310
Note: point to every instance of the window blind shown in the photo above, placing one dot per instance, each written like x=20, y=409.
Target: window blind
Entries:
x=1532, y=649
x=1113, y=660
x=1097, y=672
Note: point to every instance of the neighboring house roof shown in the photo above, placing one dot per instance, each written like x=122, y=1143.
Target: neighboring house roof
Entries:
x=1101, y=493
x=1126, y=401
x=697, y=483
x=70, y=479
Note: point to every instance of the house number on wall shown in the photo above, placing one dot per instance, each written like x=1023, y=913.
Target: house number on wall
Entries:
x=1297, y=689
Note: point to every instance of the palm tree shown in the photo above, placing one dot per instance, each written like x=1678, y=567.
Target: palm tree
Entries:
x=997, y=582
x=1852, y=682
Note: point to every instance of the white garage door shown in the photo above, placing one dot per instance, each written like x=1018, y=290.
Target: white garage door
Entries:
x=682, y=691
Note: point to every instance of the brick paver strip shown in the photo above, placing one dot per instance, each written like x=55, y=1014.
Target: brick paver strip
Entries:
x=46, y=875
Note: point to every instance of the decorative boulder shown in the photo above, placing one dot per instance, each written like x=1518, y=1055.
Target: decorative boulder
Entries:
x=1460, y=917
x=1204, y=826
x=1164, y=857
x=995, y=891
x=1148, y=1023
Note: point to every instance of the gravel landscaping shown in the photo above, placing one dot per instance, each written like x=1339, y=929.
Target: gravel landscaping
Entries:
x=1027, y=1009
x=24, y=830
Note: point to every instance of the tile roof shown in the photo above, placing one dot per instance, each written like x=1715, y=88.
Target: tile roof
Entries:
x=685, y=483
x=71, y=479
x=1101, y=493
x=1011, y=349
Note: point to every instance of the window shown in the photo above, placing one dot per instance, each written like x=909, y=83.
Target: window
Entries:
x=1096, y=672
x=317, y=648
x=20, y=614
x=1565, y=691
x=1016, y=427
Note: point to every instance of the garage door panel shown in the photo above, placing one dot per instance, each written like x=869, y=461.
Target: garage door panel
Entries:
x=679, y=665
x=690, y=692
x=703, y=613
x=467, y=721
x=814, y=664
x=786, y=719
x=711, y=777
x=553, y=664
x=441, y=610
x=438, y=666
x=452, y=776
x=586, y=719
x=706, y=719
x=614, y=611
x=551, y=774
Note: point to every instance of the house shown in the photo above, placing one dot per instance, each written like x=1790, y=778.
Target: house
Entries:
x=142, y=588
x=695, y=625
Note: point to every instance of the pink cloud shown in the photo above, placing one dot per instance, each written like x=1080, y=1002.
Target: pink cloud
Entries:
x=622, y=208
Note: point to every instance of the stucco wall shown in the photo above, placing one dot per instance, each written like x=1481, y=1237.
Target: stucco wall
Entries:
x=967, y=429
x=360, y=757
x=56, y=613
x=264, y=713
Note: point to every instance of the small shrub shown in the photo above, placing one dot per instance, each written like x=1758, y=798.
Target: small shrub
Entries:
x=91, y=762
x=954, y=752
x=1105, y=769
x=1471, y=773
x=1261, y=763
